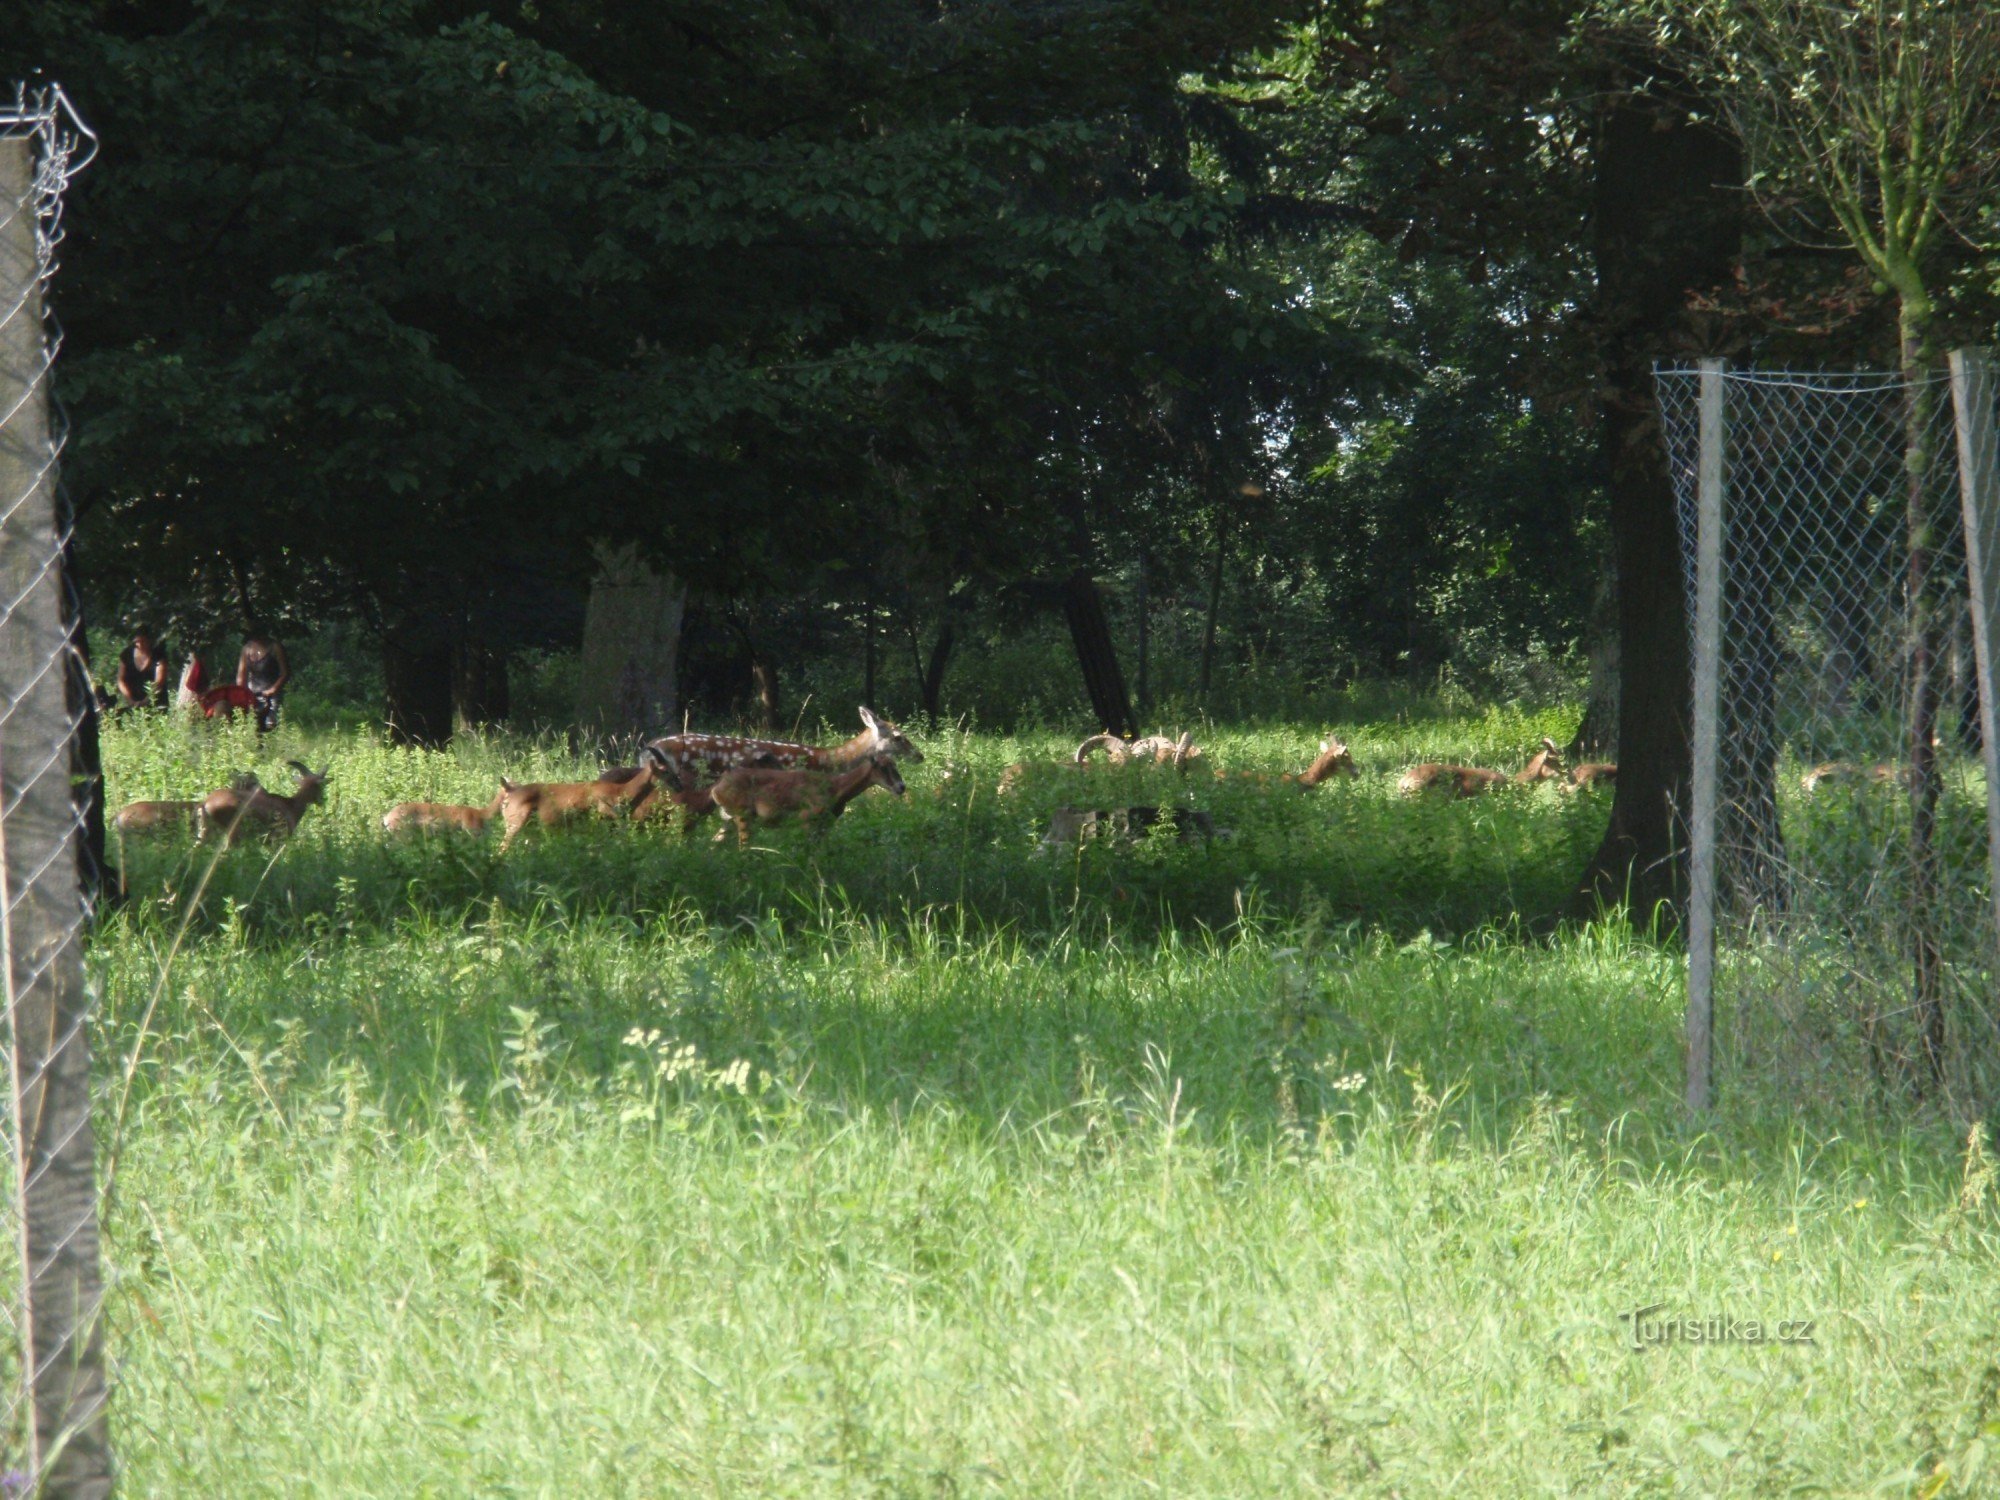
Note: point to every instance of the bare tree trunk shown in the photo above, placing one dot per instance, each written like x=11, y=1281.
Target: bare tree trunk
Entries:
x=628, y=677
x=1597, y=734
x=932, y=685
x=1666, y=220
x=1145, y=687
x=764, y=680
x=480, y=688
x=868, y=650
x=1214, y=603
x=417, y=683
x=1097, y=654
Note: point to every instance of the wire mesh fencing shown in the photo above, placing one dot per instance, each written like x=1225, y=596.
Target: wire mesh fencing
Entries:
x=1841, y=912
x=55, y=1433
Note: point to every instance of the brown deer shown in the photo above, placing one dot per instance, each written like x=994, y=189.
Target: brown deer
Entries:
x=1334, y=759
x=155, y=817
x=697, y=758
x=554, y=803
x=165, y=817
x=1158, y=749
x=748, y=796
x=239, y=810
x=1593, y=773
x=1882, y=773
x=1471, y=781
x=439, y=817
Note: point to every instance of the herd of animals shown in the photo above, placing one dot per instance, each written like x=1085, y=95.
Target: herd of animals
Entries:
x=749, y=782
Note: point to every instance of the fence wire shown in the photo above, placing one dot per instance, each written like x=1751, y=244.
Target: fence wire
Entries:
x=1852, y=900
x=54, y=1391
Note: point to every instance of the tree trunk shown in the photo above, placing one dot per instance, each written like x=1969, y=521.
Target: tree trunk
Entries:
x=1097, y=654
x=1597, y=735
x=868, y=651
x=479, y=687
x=1145, y=688
x=628, y=675
x=416, y=678
x=764, y=682
x=1214, y=604
x=1666, y=219
x=932, y=685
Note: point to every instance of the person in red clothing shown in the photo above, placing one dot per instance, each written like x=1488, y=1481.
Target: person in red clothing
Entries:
x=194, y=682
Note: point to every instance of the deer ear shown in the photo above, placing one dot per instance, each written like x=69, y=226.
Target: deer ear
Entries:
x=868, y=718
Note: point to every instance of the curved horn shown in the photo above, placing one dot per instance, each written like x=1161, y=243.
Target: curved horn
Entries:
x=1118, y=750
x=1183, y=750
x=301, y=767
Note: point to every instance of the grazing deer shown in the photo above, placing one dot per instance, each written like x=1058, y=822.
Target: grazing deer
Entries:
x=439, y=817
x=554, y=803
x=1471, y=781
x=696, y=758
x=747, y=796
x=247, y=806
x=1592, y=773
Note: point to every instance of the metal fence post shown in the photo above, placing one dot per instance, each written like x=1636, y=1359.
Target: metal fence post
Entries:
x=41, y=934
x=1707, y=714
x=1979, y=490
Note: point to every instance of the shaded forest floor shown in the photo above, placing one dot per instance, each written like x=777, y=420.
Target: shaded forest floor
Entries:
x=917, y=1161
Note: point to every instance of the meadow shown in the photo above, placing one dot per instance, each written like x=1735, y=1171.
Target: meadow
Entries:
x=918, y=1161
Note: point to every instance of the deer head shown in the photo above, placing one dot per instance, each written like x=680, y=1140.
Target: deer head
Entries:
x=889, y=740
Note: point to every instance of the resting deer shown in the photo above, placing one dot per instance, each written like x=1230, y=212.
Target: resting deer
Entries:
x=436, y=817
x=748, y=796
x=1882, y=773
x=1592, y=773
x=1157, y=748
x=247, y=806
x=1117, y=752
x=1471, y=781
x=554, y=803
x=696, y=758
x=1334, y=759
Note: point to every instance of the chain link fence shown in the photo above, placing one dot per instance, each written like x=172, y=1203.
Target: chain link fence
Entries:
x=55, y=1434
x=1838, y=834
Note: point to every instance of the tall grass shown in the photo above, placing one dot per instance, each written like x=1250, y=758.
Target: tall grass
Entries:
x=914, y=1161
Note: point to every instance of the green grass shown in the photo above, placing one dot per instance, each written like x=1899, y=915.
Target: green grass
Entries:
x=913, y=1161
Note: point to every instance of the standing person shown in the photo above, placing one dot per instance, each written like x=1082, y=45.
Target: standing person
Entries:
x=263, y=670
x=142, y=672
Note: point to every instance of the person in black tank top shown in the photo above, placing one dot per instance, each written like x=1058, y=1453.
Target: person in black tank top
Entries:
x=263, y=670
x=142, y=672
